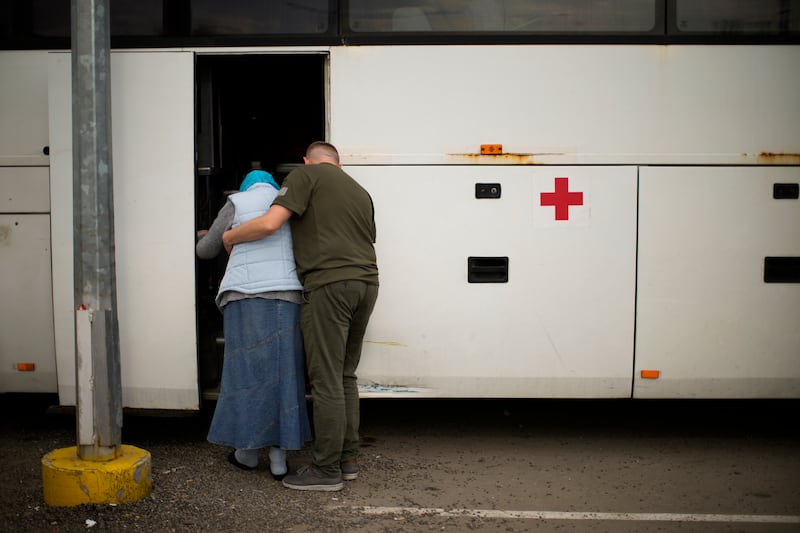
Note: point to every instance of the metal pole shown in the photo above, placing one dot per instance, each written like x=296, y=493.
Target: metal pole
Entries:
x=99, y=398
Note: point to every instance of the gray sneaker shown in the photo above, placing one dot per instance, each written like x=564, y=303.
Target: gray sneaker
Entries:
x=309, y=477
x=349, y=469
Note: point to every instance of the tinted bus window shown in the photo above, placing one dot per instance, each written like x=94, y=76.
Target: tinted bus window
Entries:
x=143, y=17
x=51, y=18
x=737, y=16
x=503, y=16
x=42, y=21
x=249, y=17
x=147, y=23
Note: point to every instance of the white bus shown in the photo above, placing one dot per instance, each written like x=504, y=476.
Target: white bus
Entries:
x=574, y=199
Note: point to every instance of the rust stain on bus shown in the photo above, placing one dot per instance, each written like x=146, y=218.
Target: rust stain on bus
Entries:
x=771, y=158
x=498, y=159
x=387, y=343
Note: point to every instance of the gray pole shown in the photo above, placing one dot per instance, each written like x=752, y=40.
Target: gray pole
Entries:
x=99, y=397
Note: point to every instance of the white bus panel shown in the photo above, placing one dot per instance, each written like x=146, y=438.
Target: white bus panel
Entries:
x=153, y=157
x=566, y=104
x=23, y=108
x=562, y=324
x=26, y=316
x=706, y=319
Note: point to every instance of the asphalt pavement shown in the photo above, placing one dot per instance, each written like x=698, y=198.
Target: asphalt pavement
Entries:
x=449, y=465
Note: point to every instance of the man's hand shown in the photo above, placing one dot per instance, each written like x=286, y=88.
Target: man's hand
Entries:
x=257, y=228
x=226, y=241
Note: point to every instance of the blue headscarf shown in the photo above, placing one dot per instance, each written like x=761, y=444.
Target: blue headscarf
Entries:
x=257, y=176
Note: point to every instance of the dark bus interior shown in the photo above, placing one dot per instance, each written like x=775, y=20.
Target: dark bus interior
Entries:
x=252, y=111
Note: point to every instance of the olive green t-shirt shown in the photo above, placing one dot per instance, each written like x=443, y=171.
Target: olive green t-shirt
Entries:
x=333, y=226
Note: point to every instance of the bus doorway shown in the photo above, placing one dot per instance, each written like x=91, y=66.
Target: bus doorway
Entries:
x=252, y=111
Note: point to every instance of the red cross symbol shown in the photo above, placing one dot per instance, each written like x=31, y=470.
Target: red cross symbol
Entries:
x=562, y=198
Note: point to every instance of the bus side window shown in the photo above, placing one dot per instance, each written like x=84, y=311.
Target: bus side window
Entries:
x=486, y=15
x=410, y=19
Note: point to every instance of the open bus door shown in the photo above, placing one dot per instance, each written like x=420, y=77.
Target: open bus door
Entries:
x=253, y=111
x=153, y=157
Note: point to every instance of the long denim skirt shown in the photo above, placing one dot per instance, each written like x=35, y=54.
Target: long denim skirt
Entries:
x=262, y=392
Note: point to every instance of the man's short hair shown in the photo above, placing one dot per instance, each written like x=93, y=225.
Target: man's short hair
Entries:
x=322, y=149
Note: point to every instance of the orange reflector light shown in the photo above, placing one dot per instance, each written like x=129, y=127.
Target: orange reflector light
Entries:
x=26, y=367
x=491, y=149
x=650, y=374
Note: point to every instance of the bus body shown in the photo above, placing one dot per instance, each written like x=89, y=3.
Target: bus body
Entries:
x=562, y=220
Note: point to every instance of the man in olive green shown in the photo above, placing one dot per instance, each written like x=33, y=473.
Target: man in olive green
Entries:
x=333, y=231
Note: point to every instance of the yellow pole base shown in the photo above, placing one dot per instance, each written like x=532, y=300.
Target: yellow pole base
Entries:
x=69, y=480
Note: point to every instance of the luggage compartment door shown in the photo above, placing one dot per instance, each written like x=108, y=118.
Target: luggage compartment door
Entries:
x=715, y=317
x=502, y=281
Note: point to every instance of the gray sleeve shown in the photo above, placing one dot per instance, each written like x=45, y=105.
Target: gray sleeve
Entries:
x=210, y=245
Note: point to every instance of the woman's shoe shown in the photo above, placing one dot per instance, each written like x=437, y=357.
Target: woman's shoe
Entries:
x=235, y=462
x=277, y=462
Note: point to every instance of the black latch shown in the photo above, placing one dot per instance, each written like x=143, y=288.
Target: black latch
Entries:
x=782, y=270
x=487, y=269
x=785, y=191
x=487, y=190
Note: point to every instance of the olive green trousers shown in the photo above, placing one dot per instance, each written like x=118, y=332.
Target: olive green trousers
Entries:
x=334, y=320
